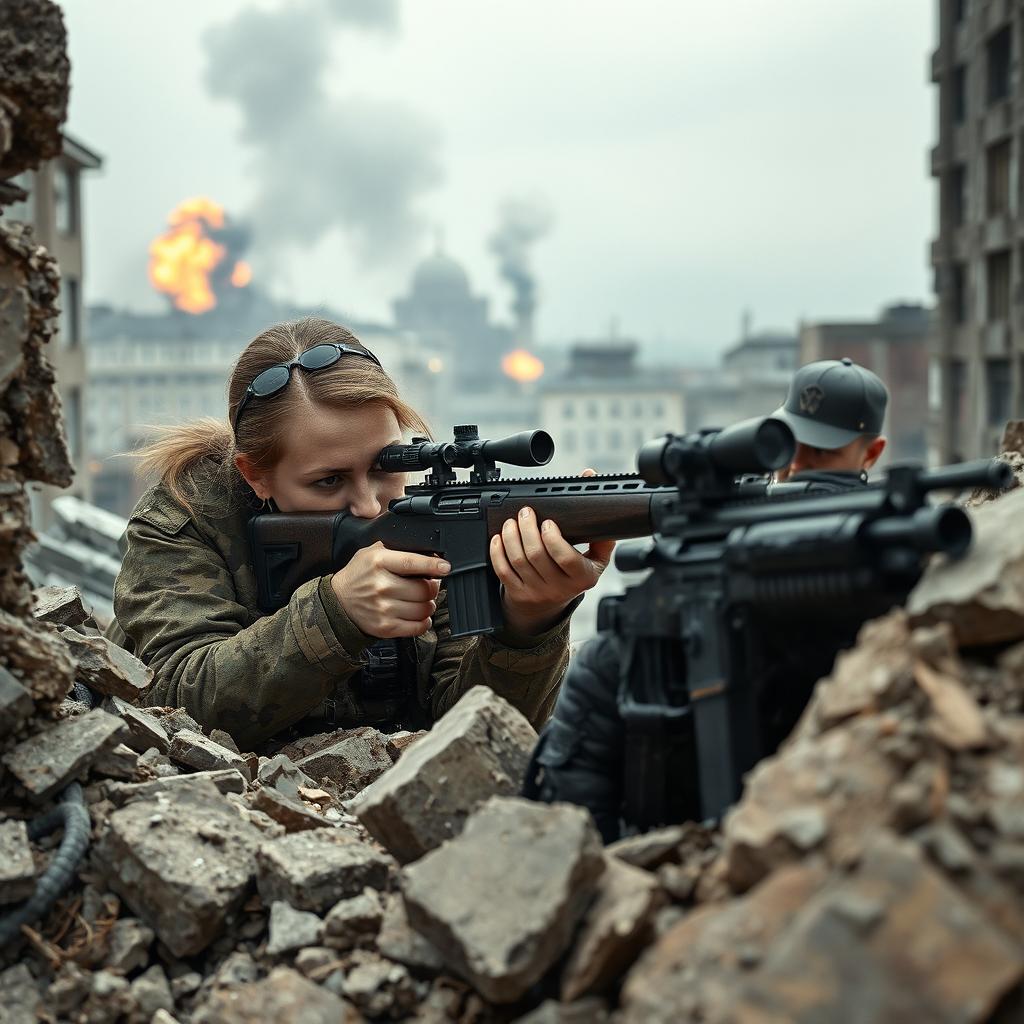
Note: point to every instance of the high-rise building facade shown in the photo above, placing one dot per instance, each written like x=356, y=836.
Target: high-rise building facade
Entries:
x=977, y=371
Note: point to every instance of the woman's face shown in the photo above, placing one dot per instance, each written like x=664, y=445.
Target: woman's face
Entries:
x=327, y=462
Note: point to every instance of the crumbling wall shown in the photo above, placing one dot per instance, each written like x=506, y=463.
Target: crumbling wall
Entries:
x=33, y=101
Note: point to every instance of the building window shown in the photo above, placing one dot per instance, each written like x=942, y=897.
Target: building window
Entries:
x=958, y=405
x=592, y=411
x=570, y=440
x=614, y=410
x=614, y=440
x=957, y=183
x=640, y=437
x=70, y=313
x=65, y=199
x=959, y=99
x=658, y=409
x=73, y=422
x=997, y=54
x=958, y=293
x=997, y=178
x=997, y=285
x=997, y=391
x=568, y=410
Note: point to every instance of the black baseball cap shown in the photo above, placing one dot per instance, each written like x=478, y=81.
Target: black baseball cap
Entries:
x=833, y=402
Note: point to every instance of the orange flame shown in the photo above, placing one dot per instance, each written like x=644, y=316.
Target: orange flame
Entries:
x=521, y=365
x=241, y=275
x=182, y=259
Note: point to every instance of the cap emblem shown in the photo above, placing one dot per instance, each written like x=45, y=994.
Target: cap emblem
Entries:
x=810, y=399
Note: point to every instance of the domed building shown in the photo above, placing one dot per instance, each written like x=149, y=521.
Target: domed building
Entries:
x=442, y=309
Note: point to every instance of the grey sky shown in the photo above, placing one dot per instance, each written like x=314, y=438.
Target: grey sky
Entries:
x=698, y=158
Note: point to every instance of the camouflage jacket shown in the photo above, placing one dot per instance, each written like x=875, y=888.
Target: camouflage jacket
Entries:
x=185, y=603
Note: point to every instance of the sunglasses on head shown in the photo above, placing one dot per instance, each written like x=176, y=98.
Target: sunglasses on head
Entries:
x=274, y=378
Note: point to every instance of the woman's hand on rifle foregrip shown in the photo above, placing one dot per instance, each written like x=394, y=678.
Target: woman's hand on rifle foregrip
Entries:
x=541, y=572
x=390, y=593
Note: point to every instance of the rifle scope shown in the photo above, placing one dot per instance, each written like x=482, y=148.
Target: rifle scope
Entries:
x=758, y=445
x=421, y=454
x=527, y=448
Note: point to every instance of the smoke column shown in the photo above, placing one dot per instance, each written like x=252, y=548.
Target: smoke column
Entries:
x=522, y=222
x=321, y=163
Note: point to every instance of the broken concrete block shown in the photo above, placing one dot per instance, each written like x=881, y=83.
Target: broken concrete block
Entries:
x=910, y=945
x=649, y=849
x=144, y=731
x=200, y=752
x=21, y=996
x=61, y=606
x=174, y=719
x=294, y=815
x=399, y=941
x=16, y=703
x=545, y=860
x=399, y=742
x=129, y=945
x=152, y=993
x=120, y=762
x=226, y=781
x=225, y=740
x=182, y=861
x=313, y=870
x=477, y=750
x=613, y=931
x=353, y=921
x=48, y=761
x=291, y=929
x=284, y=995
x=107, y=668
x=280, y=773
x=352, y=762
x=981, y=595
x=379, y=988
x=17, y=867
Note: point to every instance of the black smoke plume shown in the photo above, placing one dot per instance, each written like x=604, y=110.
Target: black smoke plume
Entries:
x=522, y=222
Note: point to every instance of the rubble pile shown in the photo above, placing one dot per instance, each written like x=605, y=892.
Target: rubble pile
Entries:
x=874, y=869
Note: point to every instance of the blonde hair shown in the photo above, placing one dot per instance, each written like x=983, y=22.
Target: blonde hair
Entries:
x=178, y=451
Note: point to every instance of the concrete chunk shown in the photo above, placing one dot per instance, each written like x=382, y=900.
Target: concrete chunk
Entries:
x=291, y=929
x=352, y=762
x=477, y=750
x=613, y=931
x=225, y=781
x=182, y=861
x=313, y=870
x=46, y=762
x=982, y=595
x=200, y=752
x=107, y=668
x=144, y=731
x=61, y=606
x=284, y=995
x=354, y=921
x=293, y=814
x=398, y=941
x=17, y=867
x=16, y=703
x=544, y=861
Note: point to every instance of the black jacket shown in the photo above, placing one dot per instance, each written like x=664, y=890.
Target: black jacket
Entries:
x=580, y=754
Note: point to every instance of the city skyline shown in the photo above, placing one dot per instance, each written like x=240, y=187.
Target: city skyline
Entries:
x=691, y=170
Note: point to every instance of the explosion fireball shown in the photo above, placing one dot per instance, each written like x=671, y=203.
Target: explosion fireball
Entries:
x=187, y=258
x=521, y=365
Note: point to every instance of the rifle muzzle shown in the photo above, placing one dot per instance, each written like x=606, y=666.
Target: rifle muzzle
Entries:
x=945, y=528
